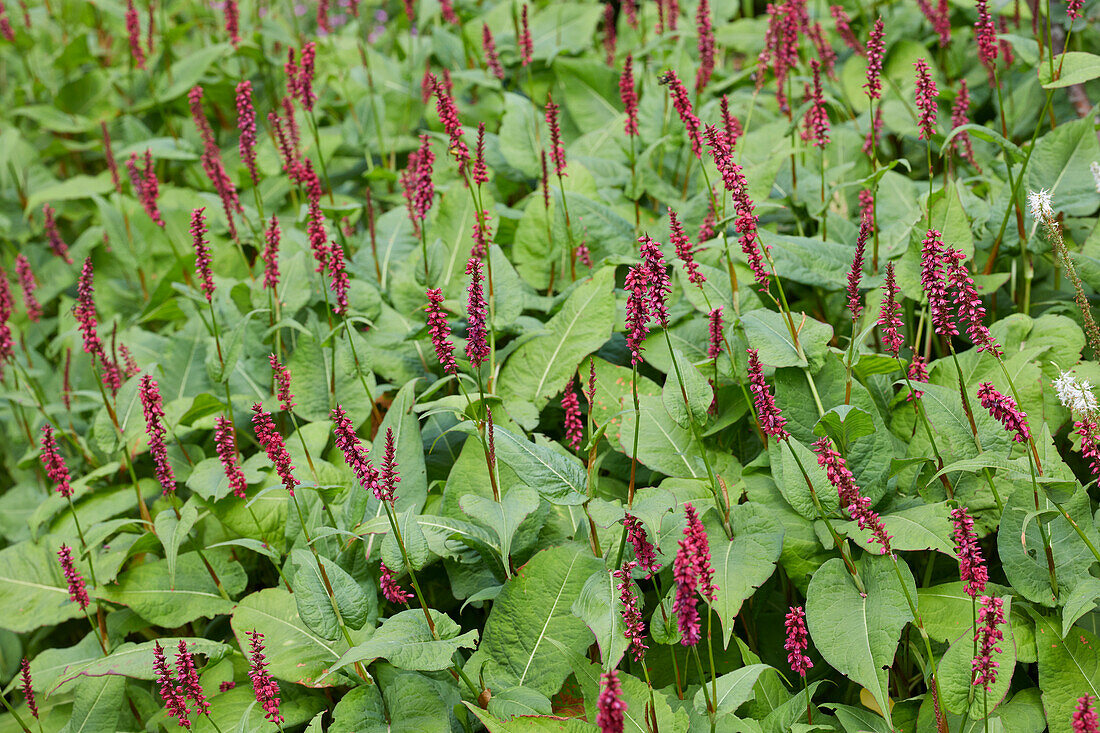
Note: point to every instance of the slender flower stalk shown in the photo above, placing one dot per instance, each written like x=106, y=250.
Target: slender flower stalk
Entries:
x=265, y=687
x=926, y=94
x=682, y=102
x=857, y=505
x=714, y=331
x=153, y=407
x=202, y=252
x=557, y=149
x=78, y=593
x=798, y=640
x=391, y=591
x=489, y=46
x=855, y=274
x=573, y=424
x=133, y=32
x=477, y=345
x=889, y=319
x=610, y=704
x=270, y=254
x=705, y=40
x=226, y=444
x=53, y=235
x=269, y=438
x=526, y=45
x=771, y=419
x=175, y=701
x=145, y=185
x=629, y=96
x=633, y=625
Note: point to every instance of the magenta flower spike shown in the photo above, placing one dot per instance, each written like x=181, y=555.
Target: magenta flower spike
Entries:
x=339, y=274
x=246, y=124
x=705, y=42
x=226, y=445
x=972, y=569
x=682, y=102
x=714, y=331
x=391, y=591
x=571, y=404
x=54, y=462
x=416, y=181
x=1085, y=719
x=858, y=506
x=643, y=548
x=1088, y=431
x=355, y=455
x=480, y=173
x=448, y=117
x=1073, y=10
x=633, y=625
x=693, y=575
x=610, y=704
x=109, y=156
x=926, y=95
x=489, y=46
x=189, y=679
x=270, y=254
x=145, y=185
x=1004, y=409
x=876, y=49
x=27, y=686
x=991, y=617
x=656, y=274
x=730, y=125
x=6, y=31
x=970, y=308
x=389, y=476
x=477, y=316
x=28, y=285
x=153, y=407
x=53, y=235
x=232, y=22
x=771, y=419
x=684, y=250
x=202, y=252
x=269, y=438
x=917, y=372
x=889, y=319
x=304, y=85
x=986, y=35
x=315, y=228
x=526, y=45
x=440, y=331
x=816, y=125
x=557, y=149
x=960, y=115
x=282, y=383
x=844, y=29
x=610, y=36
x=175, y=702
x=637, y=311
x=265, y=687
x=447, y=10
x=855, y=274
x=133, y=33
x=798, y=640
x=934, y=286
x=78, y=593
x=629, y=96
x=734, y=180
x=84, y=310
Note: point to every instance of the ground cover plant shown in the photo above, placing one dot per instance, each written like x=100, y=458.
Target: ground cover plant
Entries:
x=549, y=366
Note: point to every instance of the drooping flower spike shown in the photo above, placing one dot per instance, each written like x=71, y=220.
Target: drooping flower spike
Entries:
x=29, y=285
x=226, y=444
x=391, y=591
x=269, y=438
x=53, y=235
x=633, y=625
x=857, y=505
x=153, y=407
x=682, y=102
x=27, y=686
x=489, y=46
x=440, y=331
x=355, y=455
x=54, y=462
x=991, y=617
x=78, y=593
x=972, y=568
x=684, y=250
x=705, y=40
x=145, y=185
x=1005, y=410
x=265, y=687
x=771, y=419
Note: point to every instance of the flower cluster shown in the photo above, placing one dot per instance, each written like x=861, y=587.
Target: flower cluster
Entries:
x=991, y=617
x=175, y=700
x=389, y=477
x=571, y=404
x=1075, y=396
x=771, y=419
x=693, y=575
x=489, y=46
x=684, y=250
x=629, y=96
x=78, y=593
x=815, y=127
x=633, y=625
x=610, y=704
x=153, y=408
x=355, y=455
x=145, y=185
x=972, y=569
x=682, y=102
x=28, y=283
x=440, y=331
x=746, y=221
x=1085, y=719
x=27, y=686
x=477, y=316
x=246, y=123
x=391, y=591
x=857, y=505
x=926, y=94
x=416, y=181
x=637, y=311
x=202, y=252
x=226, y=444
x=714, y=333
x=263, y=684
x=876, y=48
x=54, y=462
x=269, y=438
x=557, y=149
x=1005, y=410
x=53, y=235
x=798, y=640
x=644, y=551
x=890, y=316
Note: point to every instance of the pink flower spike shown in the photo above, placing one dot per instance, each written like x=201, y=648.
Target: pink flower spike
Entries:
x=282, y=383
x=730, y=124
x=557, y=150
x=145, y=185
x=189, y=679
x=1004, y=409
x=447, y=10
x=477, y=316
x=266, y=688
x=610, y=37
x=889, y=319
x=858, y=506
x=682, y=102
x=693, y=575
x=246, y=123
x=656, y=274
x=876, y=48
x=355, y=455
x=27, y=686
x=202, y=252
x=970, y=308
x=269, y=438
x=270, y=254
x=643, y=548
x=610, y=704
x=1085, y=719
x=133, y=32
x=629, y=96
x=340, y=282
x=448, y=117
x=29, y=285
x=304, y=85
x=972, y=569
x=935, y=289
x=633, y=625
x=637, y=311
x=174, y=700
x=489, y=46
x=960, y=115
x=232, y=22
x=389, y=477
x=226, y=444
x=684, y=250
x=714, y=330
x=391, y=591
x=991, y=617
x=57, y=244
x=855, y=274
x=440, y=331
x=705, y=40
x=77, y=592
x=84, y=310
x=816, y=124
x=798, y=640
x=1073, y=11
x=986, y=35
x=54, y=462
x=480, y=172
x=926, y=95
x=844, y=28
x=771, y=419
x=571, y=404
x=1088, y=431
x=918, y=372
x=153, y=407
x=526, y=45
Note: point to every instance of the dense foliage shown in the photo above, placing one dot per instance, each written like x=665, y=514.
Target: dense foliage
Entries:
x=552, y=366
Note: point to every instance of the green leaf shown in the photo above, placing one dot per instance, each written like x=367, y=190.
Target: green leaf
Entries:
x=845, y=423
x=535, y=607
x=696, y=388
x=136, y=660
x=922, y=527
x=531, y=724
x=742, y=564
x=767, y=332
x=1068, y=669
x=789, y=478
x=314, y=603
x=147, y=590
x=539, y=368
x=734, y=689
x=956, y=674
x=1060, y=163
x=599, y=607
x=1076, y=67
x=99, y=700
x=662, y=444
x=294, y=652
x=558, y=478
x=858, y=634
x=172, y=531
x=518, y=701
x=503, y=517
x=406, y=642
x=77, y=187
x=187, y=72
x=33, y=592
x=1081, y=600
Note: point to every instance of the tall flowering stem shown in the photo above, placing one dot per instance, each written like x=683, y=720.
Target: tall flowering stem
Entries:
x=153, y=408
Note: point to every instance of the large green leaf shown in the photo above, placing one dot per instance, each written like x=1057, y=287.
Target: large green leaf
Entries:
x=742, y=564
x=558, y=478
x=315, y=605
x=733, y=688
x=599, y=607
x=535, y=607
x=1060, y=164
x=1070, y=68
x=33, y=591
x=406, y=641
x=98, y=702
x=1068, y=669
x=539, y=368
x=858, y=633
